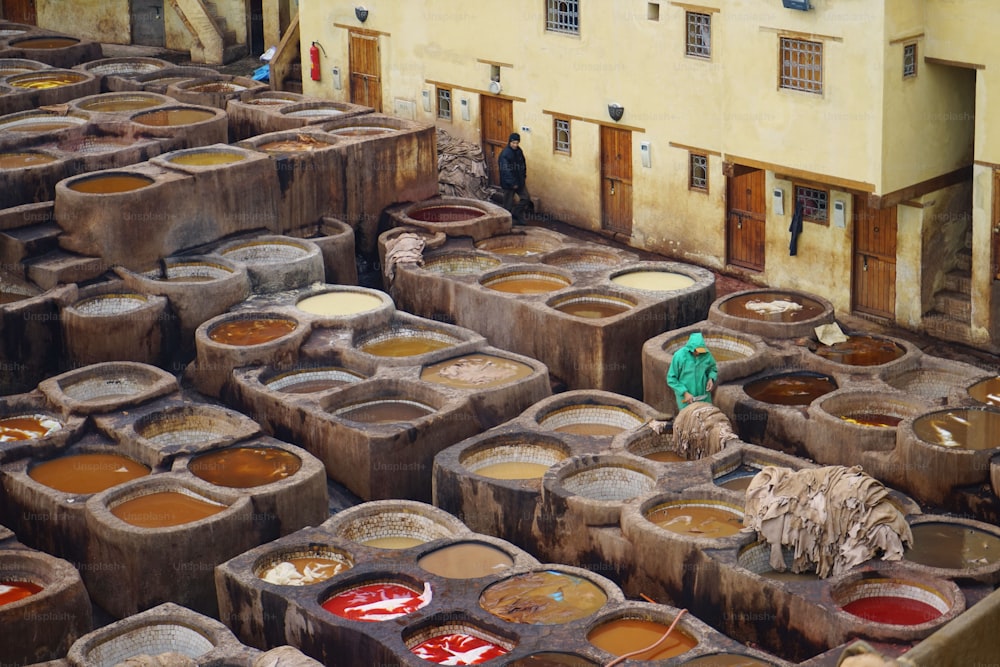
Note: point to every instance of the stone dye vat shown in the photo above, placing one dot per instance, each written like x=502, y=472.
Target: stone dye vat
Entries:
x=41, y=120
x=336, y=244
x=942, y=381
x=213, y=91
x=119, y=73
x=9, y=66
x=276, y=263
x=51, y=48
x=526, y=242
x=121, y=103
x=107, y=386
x=454, y=216
x=772, y=313
x=51, y=86
x=30, y=426
x=865, y=355
x=32, y=321
x=309, y=111
x=159, y=80
x=345, y=306
x=954, y=548
x=187, y=125
x=29, y=174
x=44, y=607
x=251, y=113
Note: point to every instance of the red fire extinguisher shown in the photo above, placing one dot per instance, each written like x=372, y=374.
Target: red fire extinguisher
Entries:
x=314, y=70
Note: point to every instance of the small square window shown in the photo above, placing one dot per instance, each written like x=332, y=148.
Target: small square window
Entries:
x=444, y=103
x=698, y=171
x=801, y=65
x=699, y=34
x=562, y=136
x=563, y=16
x=814, y=203
x=909, y=60
x=653, y=11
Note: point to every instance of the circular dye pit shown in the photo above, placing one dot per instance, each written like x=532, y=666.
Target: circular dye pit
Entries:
x=385, y=411
x=109, y=304
x=27, y=427
x=460, y=264
x=573, y=259
x=543, y=598
x=593, y=306
x=608, y=483
x=514, y=460
x=445, y=213
x=961, y=428
x=190, y=272
x=173, y=117
x=215, y=87
x=12, y=591
x=306, y=567
x=653, y=281
x=757, y=558
x=405, y=345
x=952, y=546
x=315, y=112
x=738, y=479
x=893, y=610
x=43, y=80
x=790, y=389
x=457, y=648
x=302, y=145
x=87, y=473
x=41, y=122
x=726, y=660
x=313, y=380
x=474, y=371
x=362, y=131
x=394, y=542
x=206, y=158
x=339, y=304
x=519, y=245
x=380, y=601
x=266, y=252
x=626, y=635
x=705, y=519
x=24, y=160
x=551, y=659
x=110, y=184
x=526, y=282
x=251, y=331
x=593, y=420
x=987, y=391
x=772, y=307
x=466, y=560
x=45, y=43
x=245, y=467
x=165, y=508
x=862, y=351
x=118, y=103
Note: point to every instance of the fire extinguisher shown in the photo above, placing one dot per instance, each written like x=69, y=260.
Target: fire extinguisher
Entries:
x=314, y=70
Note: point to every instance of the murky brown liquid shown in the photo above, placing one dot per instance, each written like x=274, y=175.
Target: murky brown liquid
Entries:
x=466, y=560
x=960, y=428
x=655, y=281
x=665, y=456
x=873, y=419
x=987, y=391
x=25, y=427
x=552, y=660
x=592, y=428
x=542, y=598
x=207, y=158
x=726, y=660
x=593, y=309
x=339, y=303
x=122, y=104
x=697, y=520
x=173, y=117
x=104, y=185
x=11, y=297
x=395, y=542
x=164, y=509
x=625, y=635
x=862, y=351
x=362, y=131
x=475, y=370
x=87, y=473
x=46, y=43
x=386, y=412
x=243, y=467
x=291, y=146
x=216, y=87
x=405, y=346
x=303, y=570
x=21, y=160
x=40, y=127
x=187, y=279
x=952, y=546
x=446, y=214
x=513, y=470
x=12, y=591
x=527, y=285
x=737, y=306
x=740, y=484
x=251, y=332
x=790, y=389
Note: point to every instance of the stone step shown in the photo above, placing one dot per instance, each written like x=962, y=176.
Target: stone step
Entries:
x=20, y=243
x=945, y=327
x=233, y=52
x=964, y=259
x=958, y=281
x=60, y=267
x=954, y=304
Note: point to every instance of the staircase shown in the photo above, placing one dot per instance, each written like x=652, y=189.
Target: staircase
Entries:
x=951, y=316
x=213, y=42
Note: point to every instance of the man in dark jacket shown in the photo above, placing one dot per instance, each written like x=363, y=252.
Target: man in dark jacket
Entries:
x=513, y=171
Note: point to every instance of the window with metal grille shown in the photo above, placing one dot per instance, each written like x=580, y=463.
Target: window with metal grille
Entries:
x=561, y=134
x=563, y=16
x=802, y=65
x=699, y=34
x=698, y=171
x=814, y=203
x=909, y=60
x=444, y=103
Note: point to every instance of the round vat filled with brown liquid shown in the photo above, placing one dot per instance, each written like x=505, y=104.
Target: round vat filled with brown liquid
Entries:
x=25, y=160
x=593, y=305
x=524, y=281
x=960, y=428
x=110, y=183
x=206, y=158
x=27, y=427
x=514, y=458
x=794, y=389
x=303, y=567
x=173, y=117
x=466, y=560
x=986, y=391
x=361, y=131
x=39, y=120
x=738, y=479
x=404, y=342
x=699, y=518
x=452, y=213
x=87, y=473
x=245, y=467
x=590, y=419
x=862, y=351
x=45, y=79
x=529, y=243
x=653, y=281
x=655, y=447
x=180, y=271
x=626, y=634
x=251, y=331
x=475, y=371
x=460, y=264
x=119, y=102
x=548, y=597
x=582, y=259
x=396, y=525
x=946, y=543
x=9, y=66
x=300, y=144
x=385, y=411
x=164, y=509
x=341, y=303
x=312, y=380
x=772, y=306
x=45, y=43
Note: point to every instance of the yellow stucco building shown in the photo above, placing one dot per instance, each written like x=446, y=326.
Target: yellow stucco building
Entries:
x=871, y=116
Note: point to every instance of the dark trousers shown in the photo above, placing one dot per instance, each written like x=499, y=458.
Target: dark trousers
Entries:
x=523, y=202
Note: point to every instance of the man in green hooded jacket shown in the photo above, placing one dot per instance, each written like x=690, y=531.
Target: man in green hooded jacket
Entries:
x=692, y=372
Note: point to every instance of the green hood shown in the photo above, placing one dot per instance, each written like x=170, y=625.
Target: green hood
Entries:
x=696, y=340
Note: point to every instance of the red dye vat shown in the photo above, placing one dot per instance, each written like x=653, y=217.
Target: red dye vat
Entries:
x=377, y=602
x=12, y=591
x=446, y=214
x=457, y=648
x=892, y=610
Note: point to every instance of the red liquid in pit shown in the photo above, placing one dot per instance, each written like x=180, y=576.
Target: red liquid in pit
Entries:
x=375, y=602
x=892, y=610
x=12, y=591
x=457, y=648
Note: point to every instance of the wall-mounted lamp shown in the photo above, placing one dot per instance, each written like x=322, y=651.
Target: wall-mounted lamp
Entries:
x=361, y=13
x=616, y=111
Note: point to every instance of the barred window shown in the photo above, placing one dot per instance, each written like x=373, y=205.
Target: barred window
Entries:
x=802, y=65
x=444, y=103
x=698, y=171
x=699, y=34
x=563, y=16
x=909, y=60
x=562, y=136
x=814, y=203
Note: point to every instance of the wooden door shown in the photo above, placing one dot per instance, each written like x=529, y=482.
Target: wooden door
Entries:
x=995, y=225
x=366, y=72
x=873, y=279
x=20, y=11
x=496, y=119
x=745, y=218
x=616, y=180
x=147, y=22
